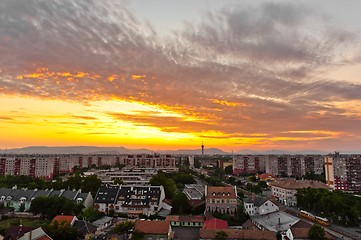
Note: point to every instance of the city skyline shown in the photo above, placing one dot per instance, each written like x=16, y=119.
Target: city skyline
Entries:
x=170, y=75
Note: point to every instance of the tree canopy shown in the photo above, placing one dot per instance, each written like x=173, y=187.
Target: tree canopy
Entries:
x=180, y=204
x=49, y=207
x=124, y=227
x=168, y=184
x=316, y=232
x=61, y=231
x=342, y=208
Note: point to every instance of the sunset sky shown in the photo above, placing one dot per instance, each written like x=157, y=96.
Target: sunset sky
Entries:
x=169, y=74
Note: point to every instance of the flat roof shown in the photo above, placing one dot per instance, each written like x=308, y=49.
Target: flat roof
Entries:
x=276, y=221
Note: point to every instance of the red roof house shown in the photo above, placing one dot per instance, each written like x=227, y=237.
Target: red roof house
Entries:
x=64, y=218
x=215, y=223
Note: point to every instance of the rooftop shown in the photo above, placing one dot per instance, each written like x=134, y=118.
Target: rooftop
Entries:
x=298, y=184
x=220, y=192
x=276, y=221
x=185, y=218
x=238, y=234
x=257, y=201
x=215, y=223
x=102, y=220
x=152, y=227
x=63, y=218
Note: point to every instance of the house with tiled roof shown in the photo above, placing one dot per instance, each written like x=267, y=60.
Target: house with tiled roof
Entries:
x=215, y=223
x=299, y=231
x=133, y=200
x=208, y=234
x=221, y=199
x=185, y=221
x=36, y=234
x=285, y=190
x=255, y=205
x=83, y=227
x=64, y=218
x=15, y=232
x=265, y=177
x=154, y=230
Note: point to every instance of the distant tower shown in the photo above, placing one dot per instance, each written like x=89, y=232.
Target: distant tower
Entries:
x=202, y=148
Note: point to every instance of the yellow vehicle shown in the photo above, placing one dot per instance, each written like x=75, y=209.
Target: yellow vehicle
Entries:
x=310, y=216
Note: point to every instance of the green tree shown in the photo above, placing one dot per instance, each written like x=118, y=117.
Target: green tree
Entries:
x=111, y=212
x=90, y=214
x=61, y=231
x=316, y=232
x=241, y=216
x=180, y=204
x=169, y=185
x=74, y=182
x=49, y=207
x=91, y=184
x=22, y=207
x=221, y=235
x=124, y=227
x=137, y=235
x=231, y=180
x=118, y=181
x=252, y=178
x=278, y=235
x=262, y=184
x=228, y=169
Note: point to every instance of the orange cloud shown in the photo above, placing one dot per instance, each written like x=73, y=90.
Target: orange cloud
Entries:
x=44, y=74
x=136, y=77
x=227, y=103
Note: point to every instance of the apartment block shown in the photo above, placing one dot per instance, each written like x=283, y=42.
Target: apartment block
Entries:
x=343, y=172
x=133, y=200
x=248, y=164
x=294, y=165
x=49, y=166
x=148, y=160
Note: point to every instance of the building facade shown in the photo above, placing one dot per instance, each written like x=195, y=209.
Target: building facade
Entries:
x=20, y=199
x=246, y=164
x=294, y=165
x=48, y=166
x=285, y=190
x=133, y=200
x=255, y=206
x=343, y=172
x=221, y=199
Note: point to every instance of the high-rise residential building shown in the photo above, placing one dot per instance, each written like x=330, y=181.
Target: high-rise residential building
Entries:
x=278, y=165
x=148, y=160
x=343, y=172
x=294, y=165
x=49, y=166
x=246, y=164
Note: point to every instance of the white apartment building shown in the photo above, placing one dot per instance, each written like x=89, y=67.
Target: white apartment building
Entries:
x=285, y=190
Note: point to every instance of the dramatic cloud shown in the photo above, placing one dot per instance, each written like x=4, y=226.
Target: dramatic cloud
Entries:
x=242, y=72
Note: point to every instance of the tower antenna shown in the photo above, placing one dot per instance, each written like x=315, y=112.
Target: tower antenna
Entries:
x=202, y=148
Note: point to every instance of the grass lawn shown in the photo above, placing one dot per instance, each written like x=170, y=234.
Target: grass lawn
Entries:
x=28, y=222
